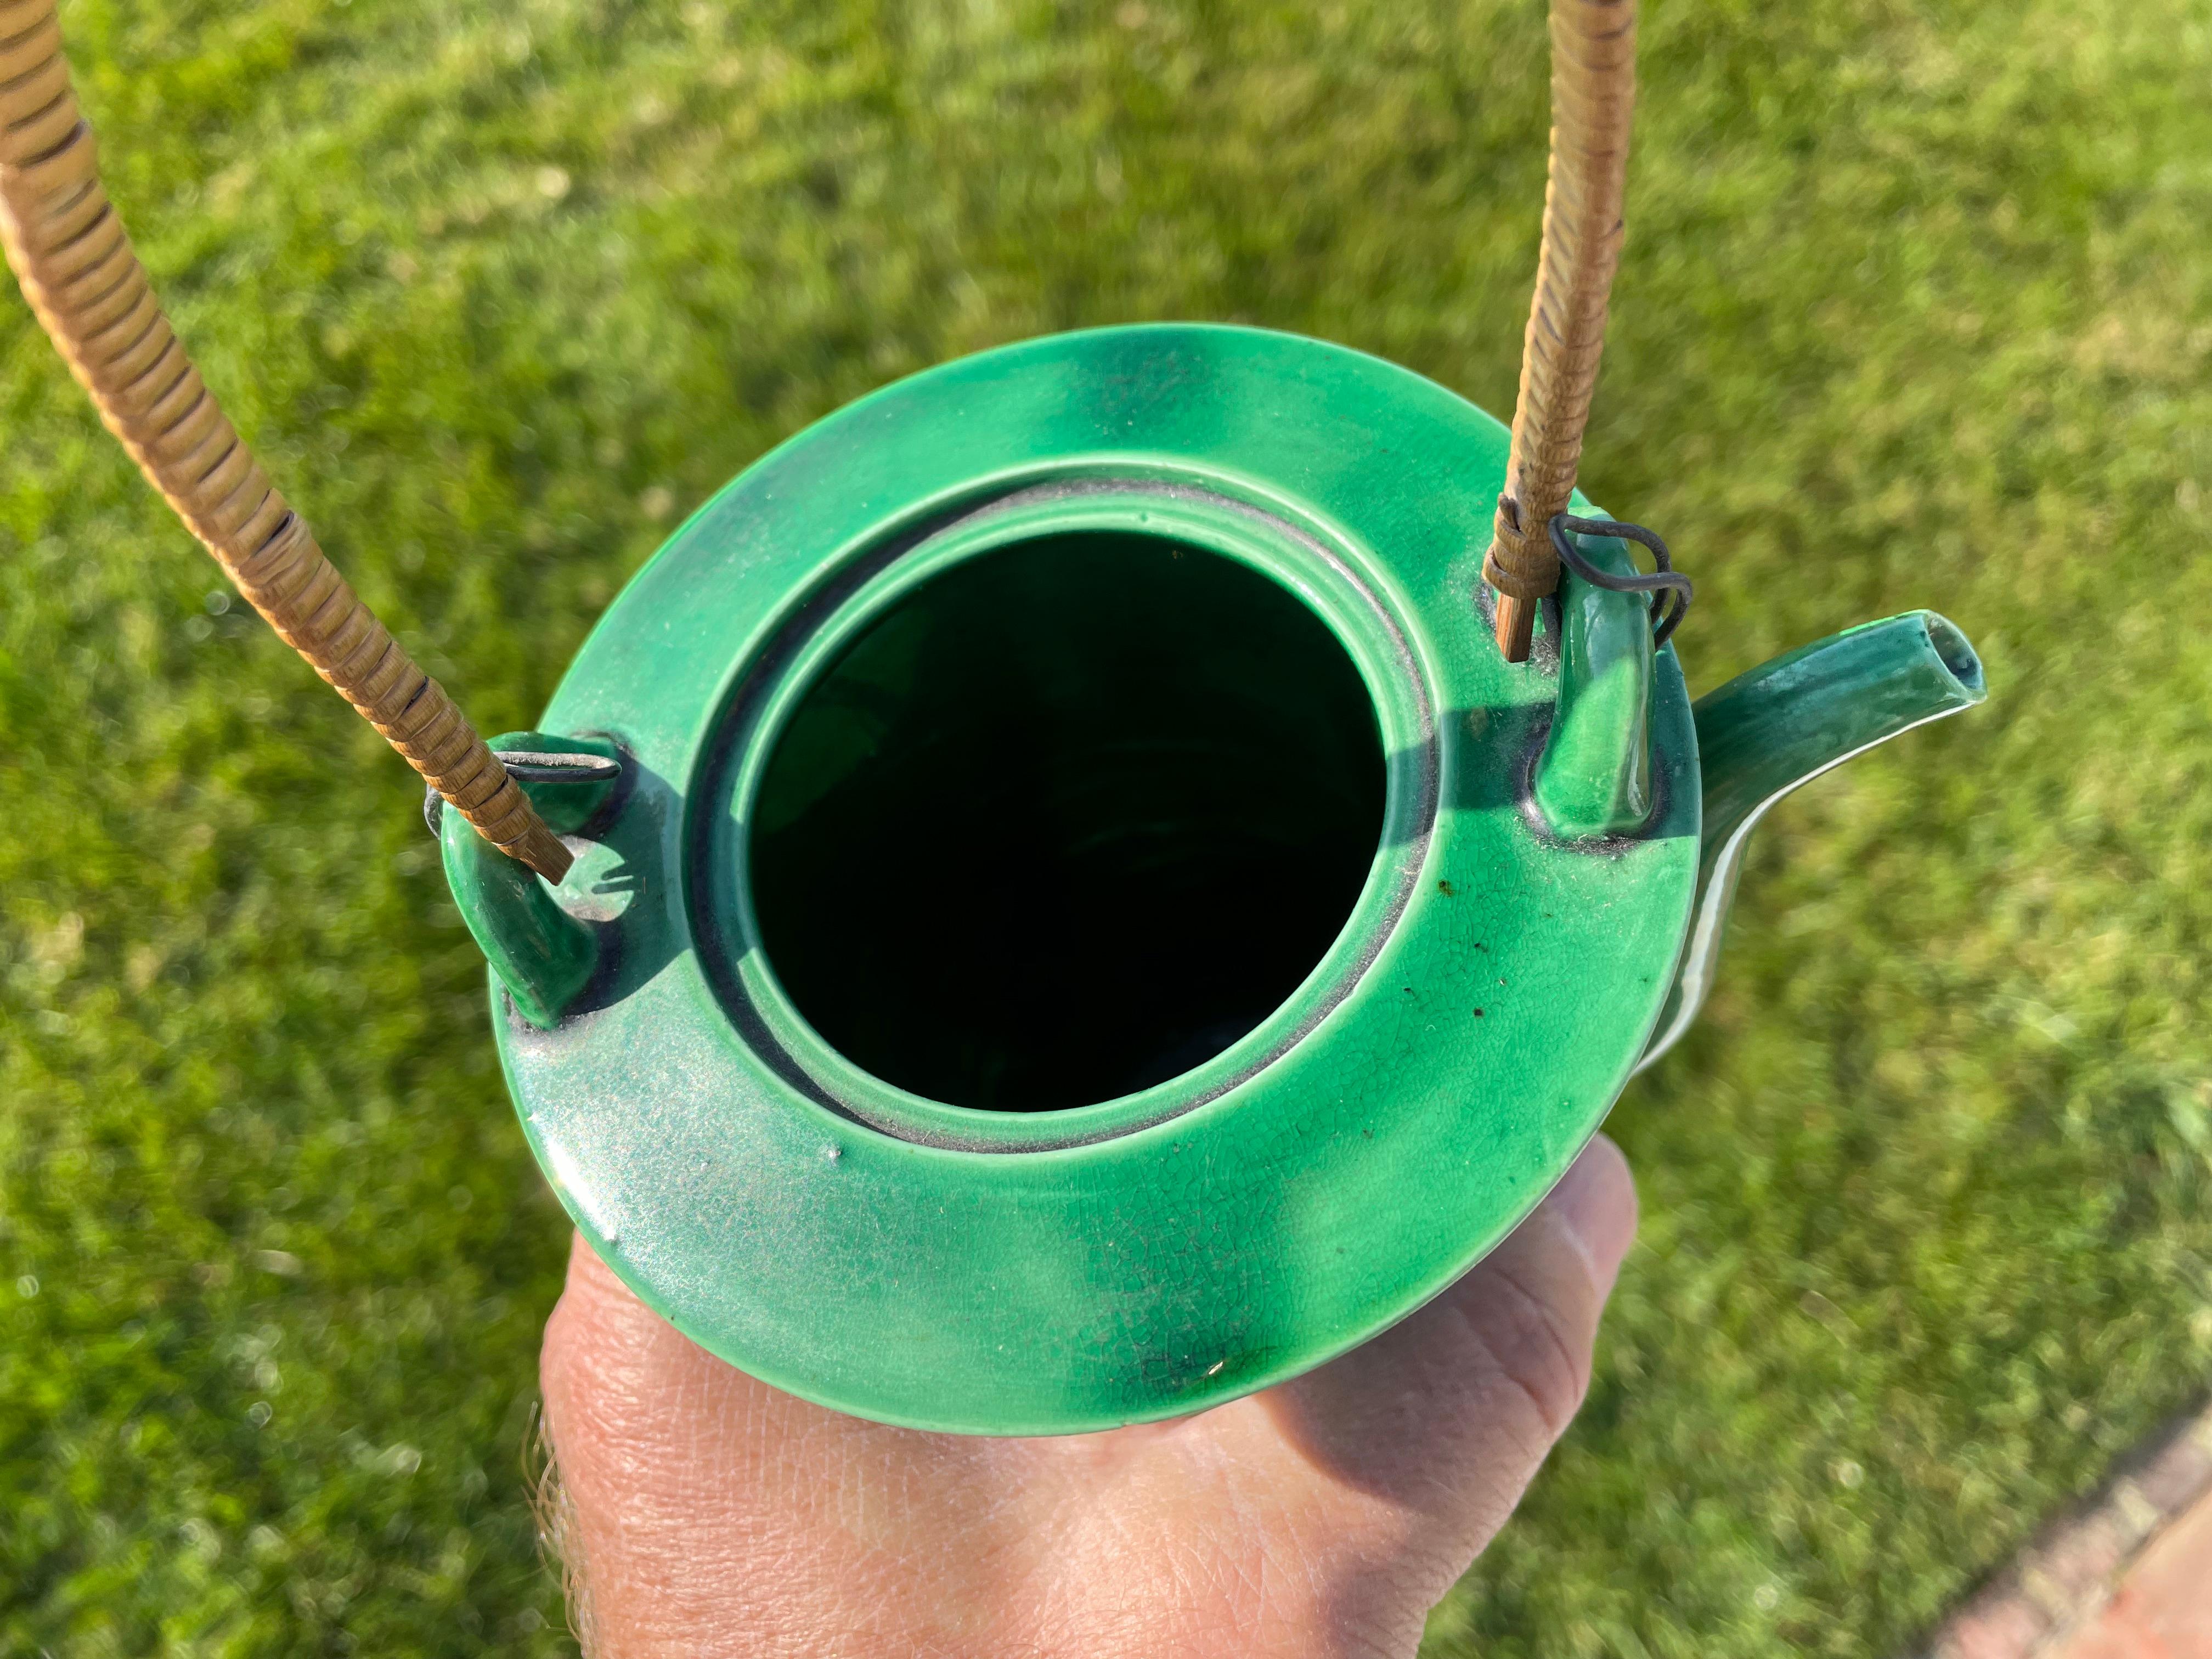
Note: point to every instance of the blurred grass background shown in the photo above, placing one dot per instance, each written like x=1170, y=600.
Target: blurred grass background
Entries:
x=1915, y=310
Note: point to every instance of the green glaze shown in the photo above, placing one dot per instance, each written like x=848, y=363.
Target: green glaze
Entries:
x=1595, y=776
x=1074, y=939
x=540, y=953
x=1784, y=723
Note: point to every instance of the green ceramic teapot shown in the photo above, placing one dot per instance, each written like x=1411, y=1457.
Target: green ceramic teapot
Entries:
x=1074, y=919
x=1074, y=888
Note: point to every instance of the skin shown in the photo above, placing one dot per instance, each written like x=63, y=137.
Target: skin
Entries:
x=708, y=1515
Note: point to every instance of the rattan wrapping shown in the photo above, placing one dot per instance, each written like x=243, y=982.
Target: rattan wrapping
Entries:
x=1593, y=98
x=76, y=268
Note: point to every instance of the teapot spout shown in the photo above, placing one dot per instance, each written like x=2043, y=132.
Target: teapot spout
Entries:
x=1784, y=724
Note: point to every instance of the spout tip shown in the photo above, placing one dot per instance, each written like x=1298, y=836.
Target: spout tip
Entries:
x=1956, y=655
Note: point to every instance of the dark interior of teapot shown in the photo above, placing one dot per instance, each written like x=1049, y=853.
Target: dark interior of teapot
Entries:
x=1067, y=821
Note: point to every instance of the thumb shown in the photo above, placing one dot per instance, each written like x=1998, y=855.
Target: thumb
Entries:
x=1447, y=1415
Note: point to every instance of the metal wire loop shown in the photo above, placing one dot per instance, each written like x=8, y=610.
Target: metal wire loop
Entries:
x=1664, y=584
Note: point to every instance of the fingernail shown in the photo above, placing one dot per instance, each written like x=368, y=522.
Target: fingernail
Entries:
x=1596, y=1203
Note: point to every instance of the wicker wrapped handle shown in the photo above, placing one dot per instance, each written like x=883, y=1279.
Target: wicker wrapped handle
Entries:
x=69, y=251
x=1593, y=98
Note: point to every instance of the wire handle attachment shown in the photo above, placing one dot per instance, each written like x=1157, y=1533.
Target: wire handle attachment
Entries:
x=1670, y=590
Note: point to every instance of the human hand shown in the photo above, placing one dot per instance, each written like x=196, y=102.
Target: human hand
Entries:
x=708, y=1515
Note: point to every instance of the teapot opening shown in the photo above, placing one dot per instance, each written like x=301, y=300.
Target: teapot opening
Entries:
x=1068, y=820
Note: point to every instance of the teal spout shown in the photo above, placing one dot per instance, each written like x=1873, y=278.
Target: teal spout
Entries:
x=1784, y=724
x=1594, y=777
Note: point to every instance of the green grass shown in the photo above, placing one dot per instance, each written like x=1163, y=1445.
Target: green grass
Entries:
x=1916, y=309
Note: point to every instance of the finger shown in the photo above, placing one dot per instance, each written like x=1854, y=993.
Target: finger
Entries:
x=1446, y=1417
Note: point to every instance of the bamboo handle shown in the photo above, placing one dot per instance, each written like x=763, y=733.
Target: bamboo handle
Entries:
x=69, y=251
x=1593, y=97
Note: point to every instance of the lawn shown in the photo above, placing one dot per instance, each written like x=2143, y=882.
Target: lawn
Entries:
x=1916, y=309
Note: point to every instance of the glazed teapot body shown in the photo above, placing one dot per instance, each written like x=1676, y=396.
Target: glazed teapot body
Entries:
x=1073, y=918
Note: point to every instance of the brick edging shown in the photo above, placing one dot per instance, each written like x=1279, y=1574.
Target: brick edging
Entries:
x=2069, y=1571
